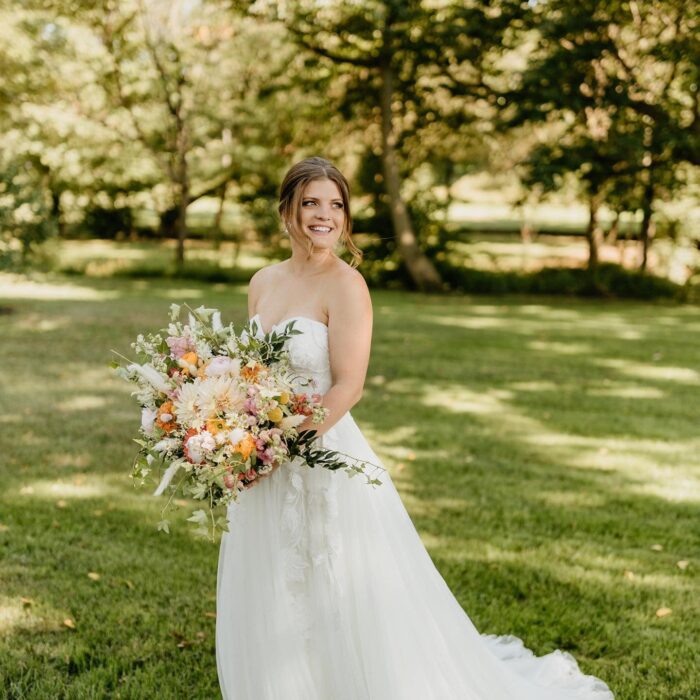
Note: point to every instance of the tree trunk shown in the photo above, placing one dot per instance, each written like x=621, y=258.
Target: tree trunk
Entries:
x=166, y=223
x=181, y=225
x=422, y=271
x=645, y=229
x=183, y=195
x=594, y=234
x=218, y=231
x=57, y=212
x=611, y=237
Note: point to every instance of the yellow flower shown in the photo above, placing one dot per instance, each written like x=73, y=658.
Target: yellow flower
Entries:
x=214, y=425
x=275, y=415
x=284, y=398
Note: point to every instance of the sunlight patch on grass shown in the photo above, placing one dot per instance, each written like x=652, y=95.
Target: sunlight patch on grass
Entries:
x=470, y=323
x=390, y=439
x=548, y=312
x=458, y=399
x=561, y=348
x=484, y=309
x=579, y=499
x=671, y=488
x=629, y=392
x=82, y=402
x=34, y=322
x=16, y=616
x=18, y=287
x=182, y=293
x=535, y=386
x=97, y=488
x=69, y=459
x=641, y=370
x=643, y=472
x=11, y=419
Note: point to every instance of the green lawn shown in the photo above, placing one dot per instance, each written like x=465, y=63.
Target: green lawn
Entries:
x=547, y=450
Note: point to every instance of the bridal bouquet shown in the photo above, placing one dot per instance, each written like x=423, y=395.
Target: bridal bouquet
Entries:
x=219, y=409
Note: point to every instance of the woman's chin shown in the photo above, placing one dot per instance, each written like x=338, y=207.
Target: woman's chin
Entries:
x=319, y=241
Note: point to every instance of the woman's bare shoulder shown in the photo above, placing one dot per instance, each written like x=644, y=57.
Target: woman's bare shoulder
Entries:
x=348, y=286
x=259, y=282
x=266, y=272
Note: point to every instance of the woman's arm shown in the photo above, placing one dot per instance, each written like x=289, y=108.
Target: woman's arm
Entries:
x=349, y=342
x=254, y=289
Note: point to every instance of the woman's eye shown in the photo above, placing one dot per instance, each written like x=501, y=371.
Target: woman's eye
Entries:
x=338, y=205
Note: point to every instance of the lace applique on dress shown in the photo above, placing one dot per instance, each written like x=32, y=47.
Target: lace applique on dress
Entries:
x=311, y=495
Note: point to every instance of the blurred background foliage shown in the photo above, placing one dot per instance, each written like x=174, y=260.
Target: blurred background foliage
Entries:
x=492, y=147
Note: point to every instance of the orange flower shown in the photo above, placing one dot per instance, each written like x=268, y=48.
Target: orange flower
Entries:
x=191, y=359
x=245, y=446
x=166, y=416
x=250, y=373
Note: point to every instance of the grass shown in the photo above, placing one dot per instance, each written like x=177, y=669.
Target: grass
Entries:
x=547, y=451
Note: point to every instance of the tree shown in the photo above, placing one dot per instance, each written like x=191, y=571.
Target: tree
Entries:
x=618, y=95
x=400, y=66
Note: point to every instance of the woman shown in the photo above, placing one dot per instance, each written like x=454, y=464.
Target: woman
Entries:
x=325, y=590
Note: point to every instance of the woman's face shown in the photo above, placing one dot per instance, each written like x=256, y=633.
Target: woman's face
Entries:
x=322, y=213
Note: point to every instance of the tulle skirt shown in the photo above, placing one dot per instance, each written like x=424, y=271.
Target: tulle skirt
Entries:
x=326, y=592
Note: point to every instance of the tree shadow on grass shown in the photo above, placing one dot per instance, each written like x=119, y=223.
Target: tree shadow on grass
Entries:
x=533, y=539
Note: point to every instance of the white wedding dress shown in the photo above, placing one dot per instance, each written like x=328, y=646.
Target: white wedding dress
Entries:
x=326, y=592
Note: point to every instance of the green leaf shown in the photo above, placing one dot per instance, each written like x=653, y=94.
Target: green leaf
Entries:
x=164, y=526
x=199, y=517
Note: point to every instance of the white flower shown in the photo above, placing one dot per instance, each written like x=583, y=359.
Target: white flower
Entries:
x=151, y=375
x=174, y=311
x=223, y=365
x=166, y=445
x=187, y=407
x=236, y=435
x=203, y=399
x=200, y=445
x=148, y=417
x=216, y=321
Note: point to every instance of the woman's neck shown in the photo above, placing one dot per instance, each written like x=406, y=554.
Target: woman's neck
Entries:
x=300, y=264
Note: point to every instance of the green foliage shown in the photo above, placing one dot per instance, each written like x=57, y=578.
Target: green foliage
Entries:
x=102, y=222
x=613, y=89
x=608, y=281
x=26, y=219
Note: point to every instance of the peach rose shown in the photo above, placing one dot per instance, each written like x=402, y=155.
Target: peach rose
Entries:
x=245, y=446
x=166, y=416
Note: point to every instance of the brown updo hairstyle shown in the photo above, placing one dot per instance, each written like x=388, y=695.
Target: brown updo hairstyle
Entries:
x=291, y=195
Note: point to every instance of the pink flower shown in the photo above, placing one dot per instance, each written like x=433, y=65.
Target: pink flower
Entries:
x=179, y=345
x=250, y=406
x=266, y=456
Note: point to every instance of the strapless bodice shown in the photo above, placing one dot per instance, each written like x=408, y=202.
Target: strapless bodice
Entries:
x=308, y=352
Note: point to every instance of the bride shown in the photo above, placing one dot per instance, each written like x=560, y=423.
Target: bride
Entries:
x=325, y=590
